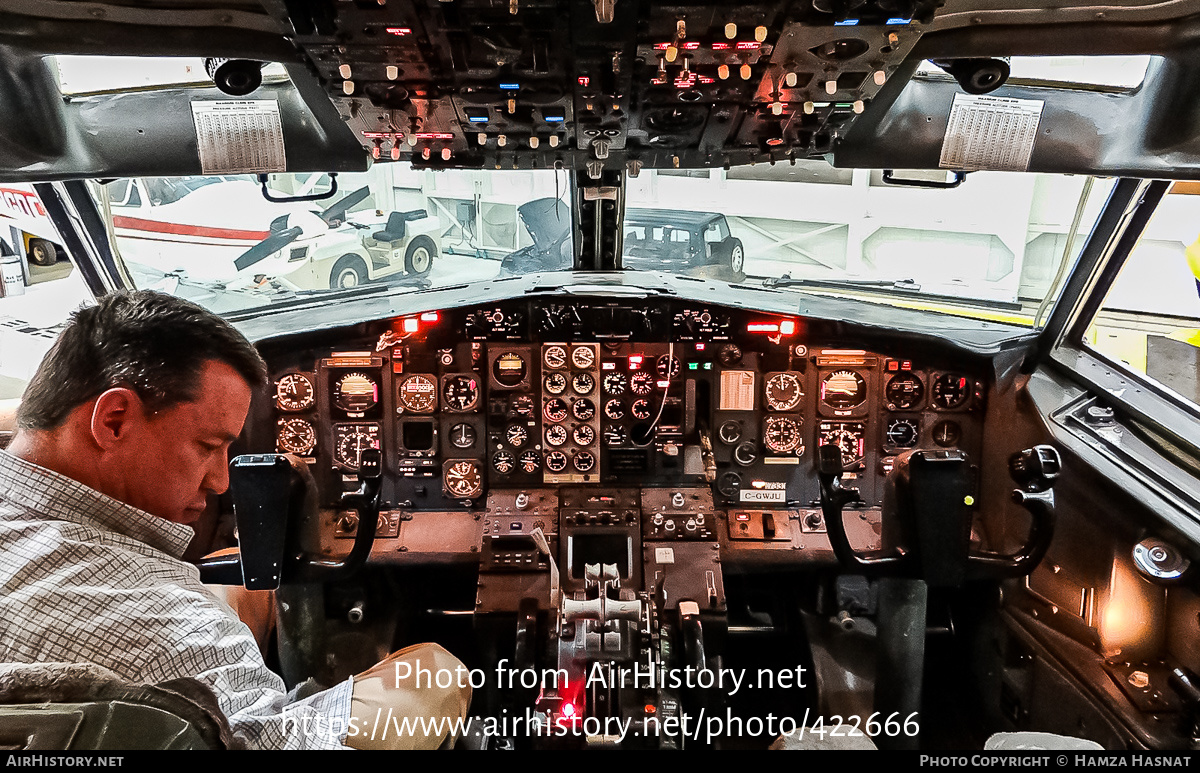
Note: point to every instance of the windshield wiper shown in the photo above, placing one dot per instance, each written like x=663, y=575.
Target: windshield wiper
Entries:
x=908, y=285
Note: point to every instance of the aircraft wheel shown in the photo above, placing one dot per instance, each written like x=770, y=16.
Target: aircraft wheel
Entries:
x=418, y=259
x=349, y=271
x=42, y=252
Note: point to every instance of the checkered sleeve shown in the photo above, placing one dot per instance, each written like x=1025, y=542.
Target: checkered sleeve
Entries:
x=222, y=653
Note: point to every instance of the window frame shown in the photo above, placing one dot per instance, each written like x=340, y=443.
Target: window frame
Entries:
x=1142, y=398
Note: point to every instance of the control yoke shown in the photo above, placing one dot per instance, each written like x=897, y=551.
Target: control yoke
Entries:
x=928, y=499
x=275, y=505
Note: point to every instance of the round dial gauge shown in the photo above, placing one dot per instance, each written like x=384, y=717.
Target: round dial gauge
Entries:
x=950, y=390
x=556, y=435
x=849, y=438
x=555, y=357
x=782, y=435
x=583, y=383
x=614, y=384
x=294, y=392
x=461, y=393
x=462, y=478
x=530, y=461
x=418, y=394
x=462, y=435
x=583, y=357
x=584, y=461
x=843, y=390
x=904, y=392
x=614, y=435
x=640, y=409
x=746, y=453
x=509, y=369
x=296, y=436
x=555, y=383
x=583, y=409
x=730, y=432
x=614, y=409
x=504, y=462
x=584, y=435
x=947, y=433
x=784, y=392
x=667, y=366
x=556, y=409
x=356, y=393
x=516, y=435
x=729, y=484
x=902, y=433
x=350, y=440
x=556, y=461
x=522, y=406
x=641, y=384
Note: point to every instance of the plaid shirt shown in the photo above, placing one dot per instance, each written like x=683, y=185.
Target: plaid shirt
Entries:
x=85, y=578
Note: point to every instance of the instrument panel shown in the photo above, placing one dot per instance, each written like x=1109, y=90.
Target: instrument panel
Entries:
x=596, y=393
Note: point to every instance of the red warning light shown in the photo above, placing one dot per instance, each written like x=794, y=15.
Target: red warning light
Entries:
x=399, y=31
x=720, y=46
x=411, y=324
x=747, y=45
x=568, y=710
x=787, y=327
x=584, y=81
x=429, y=316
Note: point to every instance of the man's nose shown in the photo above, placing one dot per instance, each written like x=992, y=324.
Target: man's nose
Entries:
x=217, y=479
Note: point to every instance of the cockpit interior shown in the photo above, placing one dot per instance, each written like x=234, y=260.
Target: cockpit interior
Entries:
x=699, y=374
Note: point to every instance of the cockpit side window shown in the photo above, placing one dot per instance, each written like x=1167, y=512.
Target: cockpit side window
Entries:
x=1149, y=321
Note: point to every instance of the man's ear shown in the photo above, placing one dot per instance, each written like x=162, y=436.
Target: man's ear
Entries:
x=113, y=414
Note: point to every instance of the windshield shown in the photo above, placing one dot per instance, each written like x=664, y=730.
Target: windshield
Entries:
x=219, y=241
x=997, y=246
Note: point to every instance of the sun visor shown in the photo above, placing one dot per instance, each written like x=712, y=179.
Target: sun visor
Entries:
x=933, y=124
x=177, y=131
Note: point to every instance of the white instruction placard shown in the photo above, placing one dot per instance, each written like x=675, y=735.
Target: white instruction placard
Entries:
x=239, y=136
x=992, y=133
x=737, y=390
